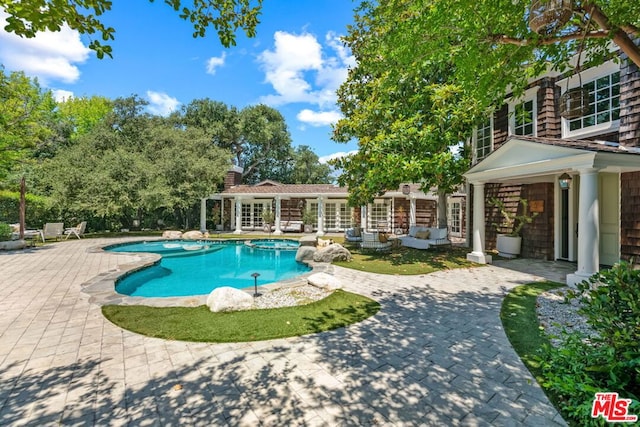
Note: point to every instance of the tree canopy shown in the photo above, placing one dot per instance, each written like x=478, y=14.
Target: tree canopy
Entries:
x=427, y=70
x=26, y=19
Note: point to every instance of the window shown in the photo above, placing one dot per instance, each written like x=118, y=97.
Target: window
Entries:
x=455, y=217
x=251, y=215
x=604, y=102
x=313, y=207
x=379, y=216
x=345, y=216
x=483, y=139
x=523, y=118
x=330, y=216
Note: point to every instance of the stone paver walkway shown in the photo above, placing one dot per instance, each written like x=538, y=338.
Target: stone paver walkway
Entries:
x=436, y=354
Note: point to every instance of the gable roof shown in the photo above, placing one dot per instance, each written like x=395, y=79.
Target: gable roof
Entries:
x=527, y=157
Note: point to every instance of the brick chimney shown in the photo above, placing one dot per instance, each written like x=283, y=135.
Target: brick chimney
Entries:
x=233, y=177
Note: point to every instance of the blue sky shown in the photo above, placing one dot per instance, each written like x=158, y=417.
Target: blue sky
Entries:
x=295, y=63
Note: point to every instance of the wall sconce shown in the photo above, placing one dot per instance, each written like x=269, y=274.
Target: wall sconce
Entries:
x=406, y=189
x=565, y=181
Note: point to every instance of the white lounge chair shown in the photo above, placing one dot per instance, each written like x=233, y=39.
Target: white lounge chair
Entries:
x=77, y=231
x=52, y=230
x=372, y=241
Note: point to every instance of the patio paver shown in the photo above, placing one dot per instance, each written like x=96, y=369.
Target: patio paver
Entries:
x=436, y=354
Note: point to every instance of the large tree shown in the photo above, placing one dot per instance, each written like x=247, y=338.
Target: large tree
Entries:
x=307, y=169
x=26, y=118
x=406, y=113
x=26, y=19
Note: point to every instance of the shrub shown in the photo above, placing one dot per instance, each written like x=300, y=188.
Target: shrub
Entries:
x=606, y=361
x=37, y=211
x=5, y=231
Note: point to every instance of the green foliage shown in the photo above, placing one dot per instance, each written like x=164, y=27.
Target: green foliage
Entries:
x=306, y=168
x=5, y=231
x=199, y=324
x=268, y=217
x=225, y=16
x=37, y=210
x=610, y=359
x=512, y=221
x=26, y=113
x=308, y=217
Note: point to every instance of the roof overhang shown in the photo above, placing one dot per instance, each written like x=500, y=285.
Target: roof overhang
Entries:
x=528, y=161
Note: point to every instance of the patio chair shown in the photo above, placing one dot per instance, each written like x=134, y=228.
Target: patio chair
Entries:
x=372, y=241
x=77, y=231
x=52, y=230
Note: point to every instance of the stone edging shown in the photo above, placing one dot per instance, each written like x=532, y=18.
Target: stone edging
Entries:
x=102, y=288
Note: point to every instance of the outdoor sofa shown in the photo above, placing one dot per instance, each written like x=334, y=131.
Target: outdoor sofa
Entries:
x=425, y=237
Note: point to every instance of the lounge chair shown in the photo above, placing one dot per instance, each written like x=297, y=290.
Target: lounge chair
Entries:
x=52, y=230
x=372, y=241
x=77, y=231
x=353, y=234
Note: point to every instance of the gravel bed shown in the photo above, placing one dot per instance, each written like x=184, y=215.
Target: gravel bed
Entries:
x=290, y=296
x=556, y=315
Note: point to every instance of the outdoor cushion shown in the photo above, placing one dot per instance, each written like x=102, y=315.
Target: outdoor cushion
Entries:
x=423, y=234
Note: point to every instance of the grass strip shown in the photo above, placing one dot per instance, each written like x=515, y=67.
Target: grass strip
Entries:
x=199, y=324
x=521, y=324
x=408, y=261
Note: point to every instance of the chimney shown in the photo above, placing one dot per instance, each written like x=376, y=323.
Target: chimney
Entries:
x=233, y=177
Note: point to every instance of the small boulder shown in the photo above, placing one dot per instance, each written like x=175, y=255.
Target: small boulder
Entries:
x=331, y=253
x=324, y=281
x=305, y=253
x=229, y=299
x=308, y=241
x=172, y=234
x=193, y=235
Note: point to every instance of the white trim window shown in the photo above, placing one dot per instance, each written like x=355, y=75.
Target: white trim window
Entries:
x=483, y=140
x=523, y=114
x=379, y=215
x=455, y=216
x=604, y=102
x=603, y=83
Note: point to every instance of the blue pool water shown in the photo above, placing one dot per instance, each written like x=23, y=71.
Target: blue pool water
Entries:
x=196, y=268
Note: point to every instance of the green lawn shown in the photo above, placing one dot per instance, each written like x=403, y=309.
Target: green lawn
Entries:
x=199, y=324
x=407, y=260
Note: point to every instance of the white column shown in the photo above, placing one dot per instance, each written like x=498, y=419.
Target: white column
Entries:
x=238, y=216
x=363, y=217
x=478, y=254
x=320, y=231
x=588, y=228
x=278, y=231
x=412, y=212
x=203, y=215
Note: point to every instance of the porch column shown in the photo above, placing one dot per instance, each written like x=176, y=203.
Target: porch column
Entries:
x=320, y=231
x=363, y=217
x=203, y=215
x=588, y=228
x=478, y=254
x=412, y=212
x=277, y=231
x=238, y=216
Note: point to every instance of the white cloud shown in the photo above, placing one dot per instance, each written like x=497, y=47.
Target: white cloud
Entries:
x=161, y=103
x=319, y=118
x=300, y=69
x=50, y=56
x=61, y=95
x=215, y=62
x=337, y=155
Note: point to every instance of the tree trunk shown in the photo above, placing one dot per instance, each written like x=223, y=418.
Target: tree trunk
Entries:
x=23, y=206
x=442, y=209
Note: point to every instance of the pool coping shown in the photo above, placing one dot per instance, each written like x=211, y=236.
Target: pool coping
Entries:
x=101, y=288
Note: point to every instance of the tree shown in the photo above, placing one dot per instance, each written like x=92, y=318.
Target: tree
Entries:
x=26, y=116
x=406, y=113
x=256, y=137
x=26, y=19
x=307, y=169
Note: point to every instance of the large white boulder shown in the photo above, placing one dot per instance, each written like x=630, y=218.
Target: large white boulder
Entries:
x=308, y=241
x=331, y=253
x=324, y=281
x=172, y=234
x=305, y=253
x=193, y=235
x=229, y=299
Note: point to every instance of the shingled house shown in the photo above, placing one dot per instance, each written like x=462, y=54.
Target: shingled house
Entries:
x=580, y=173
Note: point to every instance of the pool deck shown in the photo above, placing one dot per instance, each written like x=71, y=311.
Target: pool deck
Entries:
x=436, y=354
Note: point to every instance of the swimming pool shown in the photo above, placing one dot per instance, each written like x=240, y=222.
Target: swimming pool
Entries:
x=197, y=267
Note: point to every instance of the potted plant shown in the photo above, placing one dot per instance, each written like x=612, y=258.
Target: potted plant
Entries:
x=307, y=219
x=216, y=217
x=268, y=217
x=509, y=245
